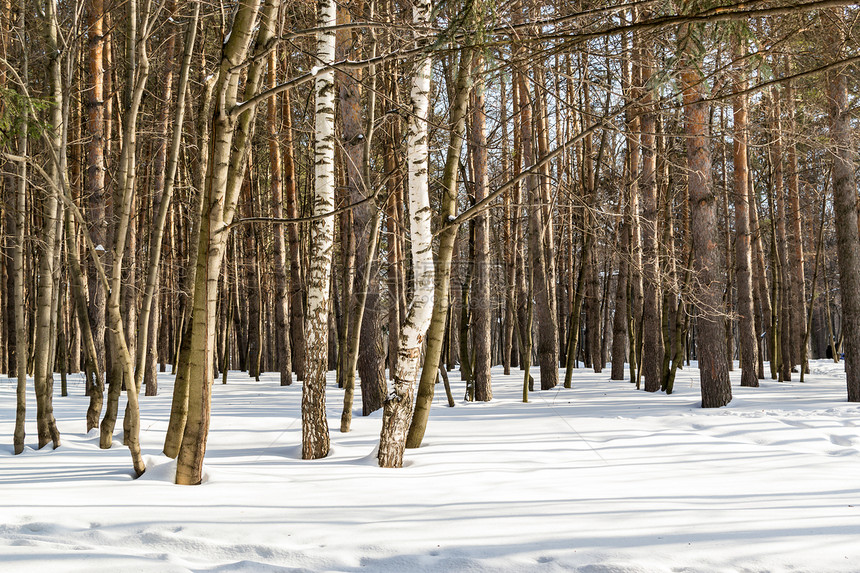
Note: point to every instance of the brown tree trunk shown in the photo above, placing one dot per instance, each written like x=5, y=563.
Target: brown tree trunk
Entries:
x=781, y=244
x=539, y=229
x=297, y=313
x=743, y=252
x=95, y=177
x=795, y=240
x=713, y=369
x=845, y=208
x=283, y=355
x=762, y=292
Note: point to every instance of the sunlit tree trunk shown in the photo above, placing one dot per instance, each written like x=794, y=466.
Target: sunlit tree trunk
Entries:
x=283, y=355
x=795, y=238
x=782, y=273
x=95, y=174
x=179, y=403
x=227, y=169
x=397, y=411
x=315, y=436
x=20, y=214
x=297, y=313
x=43, y=342
x=436, y=331
x=743, y=251
x=713, y=368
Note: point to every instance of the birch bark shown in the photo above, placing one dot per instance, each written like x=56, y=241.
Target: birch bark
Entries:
x=397, y=411
x=315, y=435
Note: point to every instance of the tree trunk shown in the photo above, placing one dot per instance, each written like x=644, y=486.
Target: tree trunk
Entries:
x=98, y=134
x=315, y=437
x=713, y=368
x=283, y=355
x=481, y=301
x=743, y=252
x=181, y=384
x=652, y=343
x=20, y=218
x=845, y=208
x=442, y=281
x=397, y=411
x=163, y=192
x=781, y=243
x=228, y=161
x=43, y=341
x=799, y=341
x=297, y=304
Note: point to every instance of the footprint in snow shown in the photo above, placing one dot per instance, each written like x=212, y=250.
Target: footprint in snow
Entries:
x=844, y=441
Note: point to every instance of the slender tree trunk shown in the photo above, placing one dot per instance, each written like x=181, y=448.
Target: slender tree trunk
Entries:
x=652, y=343
x=619, y=320
x=442, y=282
x=163, y=191
x=283, y=353
x=508, y=246
x=297, y=313
x=811, y=306
x=743, y=252
x=714, y=376
x=227, y=170
x=481, y=301
x=181, y=384
x=781, y=244
x=93, y=375
x=315, y=436
x=97, y=131
x=795, y=241
x=43, y=341
x=397, y=411
x=760, y=283
x=393, y=231
x=635, y=296
x=20, y=214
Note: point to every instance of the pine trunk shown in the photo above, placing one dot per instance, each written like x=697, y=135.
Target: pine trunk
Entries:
x=714, y=376
x=743, y=252
x=847, y=239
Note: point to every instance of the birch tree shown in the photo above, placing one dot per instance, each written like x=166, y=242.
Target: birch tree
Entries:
x=315, y=435
x=397, y=411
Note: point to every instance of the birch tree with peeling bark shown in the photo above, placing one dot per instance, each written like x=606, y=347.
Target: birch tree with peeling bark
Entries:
x=397, y=411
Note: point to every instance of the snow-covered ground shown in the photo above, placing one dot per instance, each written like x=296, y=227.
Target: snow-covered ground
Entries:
x=598, y=479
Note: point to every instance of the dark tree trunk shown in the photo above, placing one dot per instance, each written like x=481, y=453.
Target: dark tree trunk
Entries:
x=847, y=239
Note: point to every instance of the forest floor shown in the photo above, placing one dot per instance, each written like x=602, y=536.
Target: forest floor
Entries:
x=599, y=479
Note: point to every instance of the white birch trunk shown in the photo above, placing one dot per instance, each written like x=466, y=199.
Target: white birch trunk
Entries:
x=398, y=405
x=315, y=436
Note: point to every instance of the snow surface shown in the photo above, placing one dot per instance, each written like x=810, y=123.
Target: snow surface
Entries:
x=599, y=479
